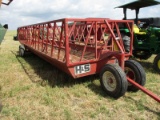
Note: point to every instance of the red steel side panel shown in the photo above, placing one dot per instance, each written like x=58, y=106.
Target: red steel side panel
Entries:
x=79, y=47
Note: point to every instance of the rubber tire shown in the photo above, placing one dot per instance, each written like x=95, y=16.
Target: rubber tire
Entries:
x=21, y=51
x=120, y=77
x=155, y=63
x=144, y=55
x=139, y=74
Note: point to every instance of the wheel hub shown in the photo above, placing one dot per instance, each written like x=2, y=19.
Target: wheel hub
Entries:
x=109, y=81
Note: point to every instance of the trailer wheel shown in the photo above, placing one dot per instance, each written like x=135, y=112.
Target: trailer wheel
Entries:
x=156, y=63
x=21, y=50
x=113, y=80
x=135, y=72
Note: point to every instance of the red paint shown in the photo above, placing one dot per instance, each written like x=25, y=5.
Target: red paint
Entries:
x=152, y=95
x=67, y=43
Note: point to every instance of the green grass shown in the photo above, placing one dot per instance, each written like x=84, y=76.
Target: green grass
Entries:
x=32, y=89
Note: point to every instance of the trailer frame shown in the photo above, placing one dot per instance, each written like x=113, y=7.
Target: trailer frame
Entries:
x=82, y=47
x=66, y=36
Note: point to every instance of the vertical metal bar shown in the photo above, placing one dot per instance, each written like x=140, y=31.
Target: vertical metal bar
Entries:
x=112, y=26
x=31, y=35
x=23, y=33
x=103, y=32
x=27, y=35
x=96, y=30
x=38, y=36
x=54, y=32
x=35, y=36
x=67, y=52
x=43, y=39
x=61, y=36
x=121, y=60
x=47, y=35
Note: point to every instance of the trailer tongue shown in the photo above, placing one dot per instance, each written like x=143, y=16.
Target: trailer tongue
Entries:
x=149, y=93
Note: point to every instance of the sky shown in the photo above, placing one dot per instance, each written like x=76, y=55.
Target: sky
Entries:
x=26, y=12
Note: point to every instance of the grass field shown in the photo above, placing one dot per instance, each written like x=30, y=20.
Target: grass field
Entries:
x=32, y=89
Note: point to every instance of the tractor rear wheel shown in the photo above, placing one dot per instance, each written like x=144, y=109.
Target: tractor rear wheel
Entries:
x=142, y=54
x=135, y=72
x=156, y=63
x=113, y=80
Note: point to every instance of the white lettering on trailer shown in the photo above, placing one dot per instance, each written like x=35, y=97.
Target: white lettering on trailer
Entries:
x=82, y=69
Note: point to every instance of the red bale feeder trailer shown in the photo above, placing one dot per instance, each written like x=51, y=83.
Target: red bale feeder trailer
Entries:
x=82, y=47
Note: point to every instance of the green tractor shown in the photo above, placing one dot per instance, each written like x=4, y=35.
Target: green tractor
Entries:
x=4, y=28
x=146, y=32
